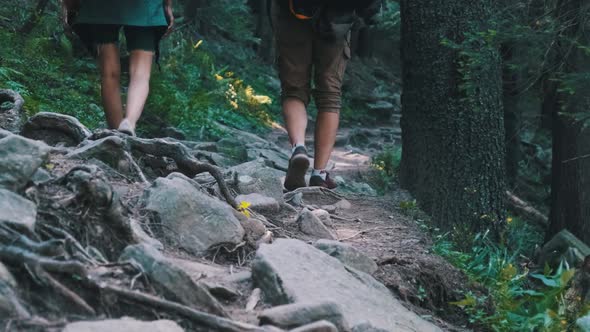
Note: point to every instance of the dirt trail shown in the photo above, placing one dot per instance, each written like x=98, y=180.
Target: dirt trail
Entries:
x=377, y=226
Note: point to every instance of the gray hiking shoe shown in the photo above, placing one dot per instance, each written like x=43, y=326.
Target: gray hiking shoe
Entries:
x=298, y=166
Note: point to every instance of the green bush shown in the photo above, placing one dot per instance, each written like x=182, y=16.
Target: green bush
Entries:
x=522, y=300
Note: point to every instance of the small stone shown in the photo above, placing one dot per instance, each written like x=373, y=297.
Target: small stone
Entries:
x=17, y=210
x=321, y=326
x=19, y=160
x=123, y=325
x=331, y=209
x=41, y=176
x=348, y=255
x=324, y=216
x=312, y=225
x=290, y=316
x=254, y=229
x=259, y=203
x=343, y=205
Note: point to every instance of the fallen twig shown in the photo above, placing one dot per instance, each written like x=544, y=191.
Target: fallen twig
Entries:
x=186, y=163
x=526, y=210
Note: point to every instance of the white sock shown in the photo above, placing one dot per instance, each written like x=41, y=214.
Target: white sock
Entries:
x=296, y=146
x=319, y=172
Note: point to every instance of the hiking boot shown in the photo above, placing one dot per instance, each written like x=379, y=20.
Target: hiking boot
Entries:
x=298, y=166
x=317, y=181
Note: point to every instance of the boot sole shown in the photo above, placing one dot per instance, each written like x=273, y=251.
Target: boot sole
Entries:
x=298, y=167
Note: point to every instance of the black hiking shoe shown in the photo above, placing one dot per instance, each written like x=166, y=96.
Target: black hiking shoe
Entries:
x=317, y=181
x=298, y=166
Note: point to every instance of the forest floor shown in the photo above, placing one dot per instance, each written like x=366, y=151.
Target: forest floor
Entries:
x=118, y=220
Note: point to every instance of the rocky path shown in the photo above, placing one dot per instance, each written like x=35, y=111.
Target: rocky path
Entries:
x=100, y=231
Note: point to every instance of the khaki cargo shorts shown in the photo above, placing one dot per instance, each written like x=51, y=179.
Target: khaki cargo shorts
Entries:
x=303, y=55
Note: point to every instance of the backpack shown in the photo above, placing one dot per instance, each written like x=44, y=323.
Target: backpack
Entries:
x=334, y=19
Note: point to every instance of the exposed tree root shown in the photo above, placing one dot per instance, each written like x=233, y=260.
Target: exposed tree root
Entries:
x=17, y=256
x=213, y=322
x=187, y=164
x=180, y=153
x=64, y=291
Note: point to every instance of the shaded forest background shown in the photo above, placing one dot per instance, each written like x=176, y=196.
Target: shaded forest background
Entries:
x=515, y=69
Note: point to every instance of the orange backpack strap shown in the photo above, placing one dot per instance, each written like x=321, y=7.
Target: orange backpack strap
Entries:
x=296, y=13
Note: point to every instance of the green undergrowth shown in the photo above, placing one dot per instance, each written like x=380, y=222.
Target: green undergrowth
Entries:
x=193, y=91
x=518, y=298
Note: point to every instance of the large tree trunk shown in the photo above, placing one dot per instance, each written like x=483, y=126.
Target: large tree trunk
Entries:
x=511, y=116
x=570, y=189
x=453, y=128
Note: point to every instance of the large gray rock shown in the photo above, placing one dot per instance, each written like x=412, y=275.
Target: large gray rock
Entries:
x=290, y=316
x=348, y=255
x=310, y=224
x=171, y=279
x=19, y=160
x=290, y=271
x=233, y=149
x=17, y=210
x=273, y=158
x=366, y=327
x=123, y=325
x=55, y=129
x=319, y=326
x=563, y=247
x=190, y=218
x=256, y=177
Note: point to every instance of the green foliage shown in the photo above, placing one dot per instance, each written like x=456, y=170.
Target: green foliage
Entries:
x=386, y=165
x=390, y=20
x=185, y=93
x=521, y=300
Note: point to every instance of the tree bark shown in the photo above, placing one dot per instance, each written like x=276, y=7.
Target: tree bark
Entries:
x=570, y=188
x=511, y=115
x=453, y=125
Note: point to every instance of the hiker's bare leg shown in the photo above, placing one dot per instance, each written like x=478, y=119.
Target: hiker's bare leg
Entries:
x=140, y=68
x=325, y=137
x=295, y=116
x=110, y=74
